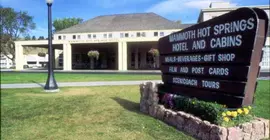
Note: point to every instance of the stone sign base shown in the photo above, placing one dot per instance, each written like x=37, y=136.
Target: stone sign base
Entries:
x=194, y=126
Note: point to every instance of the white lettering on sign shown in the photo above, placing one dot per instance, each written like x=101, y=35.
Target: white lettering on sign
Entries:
x=197, y=70
x=182, y=36
x=183, y=69
x=210, y=84
x=203, y=32
x=226, y=57
x=172, y=69
x=178, y=47
x=185, y=81
x=209, y=57
x=198, y=45
x=219, y=71
x=224, y=42
x=234, y=26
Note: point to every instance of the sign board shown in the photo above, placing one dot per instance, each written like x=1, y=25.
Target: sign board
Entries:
x=216, y=60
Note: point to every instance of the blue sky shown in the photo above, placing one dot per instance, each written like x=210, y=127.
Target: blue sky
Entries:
x=185, y=10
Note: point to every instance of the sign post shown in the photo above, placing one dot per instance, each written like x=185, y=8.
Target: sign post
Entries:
x=217, y=60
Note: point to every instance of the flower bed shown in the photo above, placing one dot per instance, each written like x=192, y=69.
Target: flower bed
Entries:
x=202, y=120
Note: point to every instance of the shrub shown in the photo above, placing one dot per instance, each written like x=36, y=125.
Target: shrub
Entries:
x=212, y=112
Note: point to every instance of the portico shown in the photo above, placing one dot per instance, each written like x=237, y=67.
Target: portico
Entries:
x=121, y=54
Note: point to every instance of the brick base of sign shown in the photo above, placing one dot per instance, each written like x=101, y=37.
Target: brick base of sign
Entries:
x=194, y=126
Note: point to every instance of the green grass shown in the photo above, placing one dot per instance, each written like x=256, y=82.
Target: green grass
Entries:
x=262, y=104
x=107, y=112
x=8, y=78
x=88, y=113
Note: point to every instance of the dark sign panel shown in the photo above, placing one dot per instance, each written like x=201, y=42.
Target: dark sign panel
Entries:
x=217, y=59
x=223, y=72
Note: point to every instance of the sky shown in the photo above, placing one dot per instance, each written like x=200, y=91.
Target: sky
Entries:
x=185, y=10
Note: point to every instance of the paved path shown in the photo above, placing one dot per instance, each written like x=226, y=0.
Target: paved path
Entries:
x=76, y=84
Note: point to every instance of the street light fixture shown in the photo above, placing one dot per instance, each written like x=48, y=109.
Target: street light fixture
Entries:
x=51, y=85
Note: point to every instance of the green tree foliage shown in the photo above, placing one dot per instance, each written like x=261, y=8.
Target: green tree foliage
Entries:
x=178, y=21
x=33, y=37
x=14, y=24
x=41, y=38
x=60, y=24
x=27, y=37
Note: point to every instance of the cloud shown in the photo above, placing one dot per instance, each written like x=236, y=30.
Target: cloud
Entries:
x=174, y=6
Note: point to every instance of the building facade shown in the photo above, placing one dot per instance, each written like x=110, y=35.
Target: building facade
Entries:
x=5, y=62
x=122, y=40
x=219, y=8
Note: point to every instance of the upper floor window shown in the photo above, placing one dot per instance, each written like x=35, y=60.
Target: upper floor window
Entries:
x=74, y=36
x=105, y=35
x=59, y=37
x=161, y=34
x=138, y=34
x=79, y=36
x=155, y=33
x=143, y=34
x=64, y=37
x=126, y=34
x=121, y=35
x=110, y=35
x=89, y=35
x=94, y=36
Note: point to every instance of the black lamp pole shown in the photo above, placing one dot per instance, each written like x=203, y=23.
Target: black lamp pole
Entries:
x=51, y=85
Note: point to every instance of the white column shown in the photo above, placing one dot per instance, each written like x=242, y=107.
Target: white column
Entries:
x=56, y=57
x=124, y=61
x=120, y=56
x=67, y=56
x=19, y=56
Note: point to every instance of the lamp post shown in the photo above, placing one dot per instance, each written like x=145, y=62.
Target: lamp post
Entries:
x=51, y=85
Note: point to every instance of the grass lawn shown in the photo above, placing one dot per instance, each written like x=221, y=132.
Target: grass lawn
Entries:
x=90, y=113
x=8, y=78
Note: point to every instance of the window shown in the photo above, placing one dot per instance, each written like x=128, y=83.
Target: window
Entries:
x=161, y=34
x=105, y=35
x=126, y=34
x=138, y=34
x=79, y=37
x=121, y=35
x=31, y=62
x=143, y=34
x=59, y=37
x=110, y=35
x=94, y=36
x=89, y=35
x=64, y=37
x=74, y=36
x=155, y=33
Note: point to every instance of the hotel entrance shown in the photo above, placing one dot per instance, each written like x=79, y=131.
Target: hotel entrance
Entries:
x=107, y=56
x=139, y=57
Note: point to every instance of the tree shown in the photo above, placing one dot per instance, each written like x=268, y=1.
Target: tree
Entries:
x=14, y=24
x=60, y=24
x=27, y=37
x=34, y=38
x=178, y=21
x=41, y=38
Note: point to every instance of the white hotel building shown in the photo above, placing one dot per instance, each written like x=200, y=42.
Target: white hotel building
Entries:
x=219, y=8
x=123, y=40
